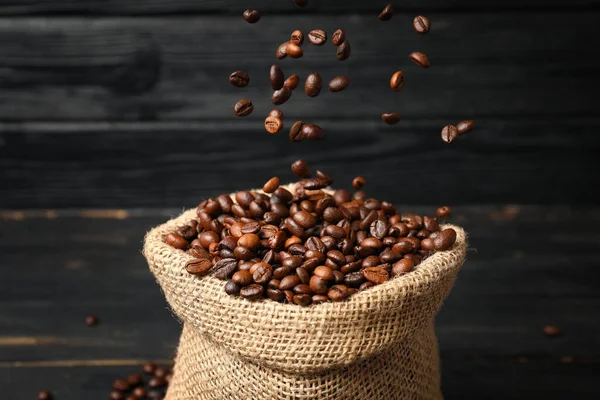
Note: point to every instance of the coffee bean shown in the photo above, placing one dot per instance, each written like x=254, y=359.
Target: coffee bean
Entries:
x=313, y=84
x=317, y=37
x=344, y=50
x=391, y=118
x=292, y=262
x=313, y=132
x=376, y=275
x=303, y=275
x=301, y=3
x=251, y=16
x=300, y=167
x=420, y=59
x=135, y=379
x=156, y=382
x=293, y=50
x=445, y=239
x=289, y=282
x=387, y=13
x=276, y=77
x=160, y=372
x=243, y=108
x=338, y=37
x=379, y=229
x=281, y=96
x=297, y=37
x=397, y=81
x=338, y=292
x=551, y=331
x=358, y=182
x=271, y=185
x=449, y=133
x=427, y=244
x=149, y=368
x=243, y=278
x=292, y=82
x=273, y=125
x=325, y=273
x=443, y=212
x=281, y=51
x=177, y=241
x=208, y=237
x=91, y=320
x=249, y=241
x=199, y=266
x=252, y=292
x=116, y=395
x=421, y=24
x=354, y=279
x=402, y=267
x=302, y=299
x=319, y=298
x=239, y=79
x=121, y=385
x=305, y=219
x=275, y=294
x=140, y=393
x=318, y=285
x=431, y=224
x=339, y=83
x=464, y=126
x=44, y=395
x=224, y=268
x=263, y=273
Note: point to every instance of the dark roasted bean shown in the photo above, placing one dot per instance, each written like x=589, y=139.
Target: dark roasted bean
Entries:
x=199, y=266
x=296, y=133
x=335, y=231
x=389, y=256
x=445, y=239
x=376, y=275
x=177, y=241
x=387, y=13
x=302, y=299
x=313, y=84
x=276, y=77
x=319, y=298
x=464, y=126
x=336, y=256
x=281, y=51
x=402, y=267
x=317, y=37
x=338, y=37
x=391, y=118
x=318, y=285
x=421, y=24
x=292, y=82
x=249, y=241
x=338, y=83
x=297, y=37
x=275, y=294
x=333, y=215
x=289, y=296
x=302, y=289
x=443, y=212
x=304, y=219
x=271, y=185
x=303, y=275
x=224, y=268
x=338, y=293
x=397, y=81
x=243, y=108
x=344, y=50
x=281, y=96
x=239, y=79
x=354, y=279
x=293, y=50
x=252, y=292
x=263, y=273
x=341, y=196
x=121, y=385
x=431, y=224
x=420, y=59
x=251, y=16
x=449, y=133
x=243, y=278
x=281, y=272
x=371, y=217
x=371, y=261
x=289, y=282
x=427, y=244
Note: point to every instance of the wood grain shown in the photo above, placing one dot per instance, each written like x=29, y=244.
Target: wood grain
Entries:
x=176, y=68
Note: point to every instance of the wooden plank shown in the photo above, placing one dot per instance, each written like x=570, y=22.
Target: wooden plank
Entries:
x=179, y=165
x=146, y=7
x=176, y=68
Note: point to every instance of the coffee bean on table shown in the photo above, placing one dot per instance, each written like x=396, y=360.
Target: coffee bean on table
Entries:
x=251, y=16
x=243, y=108
x=44, y=395
x=199, y=266
x=449, y=133
x=271, y=185
x=421, y=24
x=296, y=134
x=239, y=79
x=387, y=13
x=91, y=320
x=301, y=3
x=292, y=82
x=313, y=84
x=281, y=96
x=464, y=126
x=358, y=182
x=445, y=239
x=317, y=37
x=420, y=59
x=273, y=124
x=397, y=81
x=391, y=118
x=301, y=169
x=276, y=77
x=344, y=50
x=281, y=52
x=252, y=292
x=338, y=37
x=339, y=83
x=293, y=50
x=297, y=37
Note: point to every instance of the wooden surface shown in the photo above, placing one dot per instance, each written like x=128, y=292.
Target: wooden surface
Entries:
x=528, y=266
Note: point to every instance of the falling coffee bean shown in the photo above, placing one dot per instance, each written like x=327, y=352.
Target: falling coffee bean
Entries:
x=251, y=16
x=313, y=132
x=296, y=134
x=391, y=118
x=292, y=82
x=420, y=59
x=449, y=133
x=281, y=51
x=273, y=124
x=281, y=96
x=271, y=185
x=339, y=83
x=301, y=3
x=276, y=77
x=397, y=81
x=276, y=114
x=301, y=169
x=344, y=50
x=464, y=126
x=317, y=37
x=421, y=24
x=44, y=395
x=338, y=37
x=239, y=79
x=358, y=182
x=387, y=13
x=91, y=320
x=297, y=37
x=116, y=395
x=443, y=212
x=293, y=50
x=243, y=108
x=313, y=84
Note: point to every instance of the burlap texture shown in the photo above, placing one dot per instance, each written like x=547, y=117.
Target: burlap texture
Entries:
x=378, y=344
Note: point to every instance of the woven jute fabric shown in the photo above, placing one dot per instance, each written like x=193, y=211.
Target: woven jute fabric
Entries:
x=378, y=344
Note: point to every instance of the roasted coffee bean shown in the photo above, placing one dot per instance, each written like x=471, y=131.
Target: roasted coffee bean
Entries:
x=420, y=59
x=121, y=385
x=303, y=275
x=297, y=37
x=371, y=261
x=160, y=372
x=225, y=202
x=402, y=267
x=252, y=292
x=275, y=294
x=276, y=77
x=325, y=273
x=449, y=133
x=339, y=83
x=431, y=224
x=300, y=168
x=423, y=233
x=354, y=279
x=199, y=266
x=313, y=84
x=358, y=182
x=391, y=118
x=297, y=249
x=421, y=24
x=333, y=215
x=305, y=219
x=366, y=285
x=271, y=185
x=273, y=125
x=379, y=229
x=292, y=82
x=301, y=3
x=149, y=368
x=44, y=395
x=338, y=37
x=445, y=239
x=293, y=50
x=249, y=241
x=302, y=299
x=188, y=232
x=296, y=134
x=350, y=267
x=389, y=256
x=427, y=244
x=281, y=51
x=289, y=282
x=335, y=231
x=92, y=320
x=344, y=50
x=387, y=13
x=389, y=241
x=292, y=241
x=135, y=379
x=177, y=241
x=319, y=298
x=551, y=331
x=243, y=108
x=336, y=256
x=251, y=16
x=140, y=393
x=156, y=382
x=464, y=126
x=342, y=196
x=294, y=228
x=232, y=288
x=314, y=243
x=397, y=81
x=116, y=395
x=368, y=220
x=224, y=268
x=338, y=277
x=303, y=289
x=239, y=79
x=208, y=237
x=323, y=175
x=263, y=273
x=376, y=275
x=443, y=212
x=338, y=293
x=313, y=132
x=317, y=37
x=243, y=278
x=318, y=285
x=281, y=96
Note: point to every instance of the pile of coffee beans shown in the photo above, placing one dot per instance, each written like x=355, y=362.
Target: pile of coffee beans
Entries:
x=309, y=247
x=150, y=383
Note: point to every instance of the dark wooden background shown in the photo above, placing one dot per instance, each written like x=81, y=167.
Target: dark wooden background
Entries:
x=117, y=114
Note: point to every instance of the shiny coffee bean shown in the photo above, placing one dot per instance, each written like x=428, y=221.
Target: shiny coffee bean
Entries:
x=445, y=239
x=313, y=132
x=387, y=13
x=297, y=37
x=224, y=268
x=313, y=84
x=289, y=282
x=338, y=293
x=449, y=133
x=276, y=77
x=160, y=372
x=281, y=52
x=427, y=244
x=232, y=288
x=135, y=379
x=251, y=16
x=243, y=108
x=239, y=79
x=358, y=182
x=263, y=273
x=149, y=368
x=397, y=81
x=318, y=285
x=464, y=126
x=292, y=82
x=376, y=275
x=303, y=275
x=293, y=50
x=252, y=292
x=302, y=289
x=443, y=212
x=296, y=134
x=344, y=50
x=275, y=294
x=300, y=168
x=354, y=279
x=391, y=118
x=121, y=385
x=421, y=24
x=305, y=219
x=325, y=273
x=271, y=185
x=281, y=96
x=317, y=37
x=200, y=266
x=177, y=241
x=338, y=37
x=156, y=382
x=338, y=84
x=319, y=298
x=243, y=278
x=302, y=299
x=420, y=59
x=402, y=267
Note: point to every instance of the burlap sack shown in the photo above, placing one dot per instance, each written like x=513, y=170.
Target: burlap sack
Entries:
x=379, y=344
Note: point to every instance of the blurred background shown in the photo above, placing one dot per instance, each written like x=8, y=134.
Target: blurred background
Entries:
x=117, y=114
